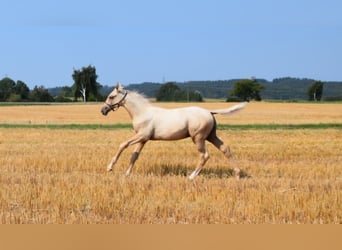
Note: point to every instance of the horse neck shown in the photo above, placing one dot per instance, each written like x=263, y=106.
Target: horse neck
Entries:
x=136, y=104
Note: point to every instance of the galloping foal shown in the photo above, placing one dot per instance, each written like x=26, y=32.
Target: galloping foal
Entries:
x=154, y=123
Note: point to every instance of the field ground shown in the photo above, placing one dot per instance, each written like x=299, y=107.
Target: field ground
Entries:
x=58, y=175
x=254, y=113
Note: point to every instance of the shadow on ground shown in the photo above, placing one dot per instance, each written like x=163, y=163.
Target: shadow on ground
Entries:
x=179, y=170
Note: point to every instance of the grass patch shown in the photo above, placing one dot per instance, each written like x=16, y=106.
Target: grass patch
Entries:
x=278, y=126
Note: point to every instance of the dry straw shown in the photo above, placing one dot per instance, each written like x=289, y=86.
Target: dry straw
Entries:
x=59, y=176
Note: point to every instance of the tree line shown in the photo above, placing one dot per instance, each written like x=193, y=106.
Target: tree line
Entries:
x=11, y=91
x=86, y=88
x=243, y=90
x=286, y=88
x=170, y=92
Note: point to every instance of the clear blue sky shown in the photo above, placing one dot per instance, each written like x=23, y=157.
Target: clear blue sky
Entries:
x=175, y=40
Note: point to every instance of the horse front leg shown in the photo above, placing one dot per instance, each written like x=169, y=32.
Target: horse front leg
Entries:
x=122, y=147
x=135, y=139
x=134, y=157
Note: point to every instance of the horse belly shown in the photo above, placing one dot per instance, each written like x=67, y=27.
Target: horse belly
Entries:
x=168, y=130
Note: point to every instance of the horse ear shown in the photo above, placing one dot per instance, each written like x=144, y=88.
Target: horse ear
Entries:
x=118, y=86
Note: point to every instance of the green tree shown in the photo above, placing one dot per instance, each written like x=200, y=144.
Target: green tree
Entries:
x=6, y=88
x=247, y=90
x=315, y=91
x=168, y=92
x=194, y=96
x=85, y=83
x=22, y=90
x=40, y=94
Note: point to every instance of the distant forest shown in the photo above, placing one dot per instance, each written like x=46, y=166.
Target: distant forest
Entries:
x=287, y=88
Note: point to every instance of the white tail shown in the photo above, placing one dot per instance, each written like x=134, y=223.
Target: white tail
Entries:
x=230, y=110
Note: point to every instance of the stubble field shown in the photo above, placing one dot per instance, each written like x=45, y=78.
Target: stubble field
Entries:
x=58, y=174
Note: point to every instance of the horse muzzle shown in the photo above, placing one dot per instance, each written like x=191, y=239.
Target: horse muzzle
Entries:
x=105, y=109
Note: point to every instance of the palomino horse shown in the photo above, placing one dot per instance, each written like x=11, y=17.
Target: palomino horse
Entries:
x=154, y=123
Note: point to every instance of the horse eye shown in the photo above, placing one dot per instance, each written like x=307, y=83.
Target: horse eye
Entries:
x=111, y=97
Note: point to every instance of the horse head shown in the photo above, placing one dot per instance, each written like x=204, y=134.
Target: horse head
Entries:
x=114, y=100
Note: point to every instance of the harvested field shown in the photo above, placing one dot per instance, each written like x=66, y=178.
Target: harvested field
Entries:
x=52, y=175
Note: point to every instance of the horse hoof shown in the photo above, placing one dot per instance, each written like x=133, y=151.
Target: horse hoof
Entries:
x=191, y=177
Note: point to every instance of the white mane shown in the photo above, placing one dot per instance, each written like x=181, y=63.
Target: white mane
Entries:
x=140, y=97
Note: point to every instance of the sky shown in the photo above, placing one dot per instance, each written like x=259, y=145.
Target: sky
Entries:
x=129, y=41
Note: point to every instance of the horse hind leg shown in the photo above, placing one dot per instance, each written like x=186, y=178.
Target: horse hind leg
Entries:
x=204, y=156
x=219, y=144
